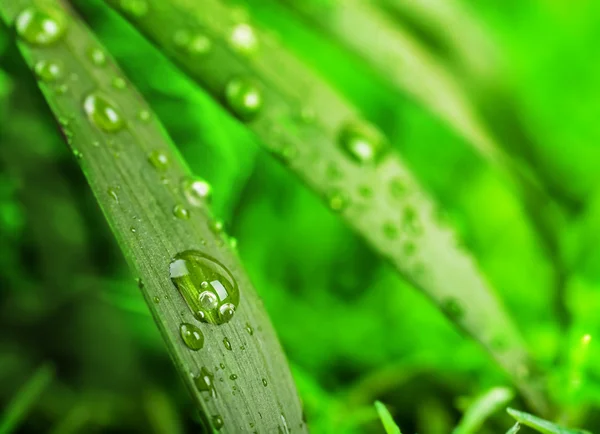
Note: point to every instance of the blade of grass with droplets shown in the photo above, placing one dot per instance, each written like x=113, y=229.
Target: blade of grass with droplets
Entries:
x=386, y=419
x=142, y=185
x=18, y=407
x=541, y=425
x=483, y=407
x=322, y=139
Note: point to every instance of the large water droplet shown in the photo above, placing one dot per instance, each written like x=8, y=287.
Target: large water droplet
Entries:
x=159, y=160
x=180, y=212
x=48, y=71
x=197, y=191
x=41, y=25
x=217, y=422
x=243, y=98
x=227, y=344
x=243, y=39
x=362, y=143
x=207, y=286
x=205, y=382
x=192, y=336
x=103, y=113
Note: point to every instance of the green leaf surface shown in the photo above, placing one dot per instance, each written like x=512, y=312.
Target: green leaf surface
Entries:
x=541, y=425
x=138, y=179
x=386, y=419
x=483, y=407
x=301, y=120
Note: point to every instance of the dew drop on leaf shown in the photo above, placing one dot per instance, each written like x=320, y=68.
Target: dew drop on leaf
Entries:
x=208, y=288
x=249, y=329
x=264, y=382
x=243, y=98
x=135, y=8
x=227, y=344
x=48, y=71
x=233, y=377
x=41, y=25
x=198, y=45
x=197, y=191
x=119, y=83
x=159, y=160
x=144, y=115
x=205, y=382
x=362, y=143
x=337, y=201
x=243, y=39
x=390, y=230
x=181, y=212
x=103, y=113
x=97, y=56
x=192, y=336
x=453, y=308
x=217, y=422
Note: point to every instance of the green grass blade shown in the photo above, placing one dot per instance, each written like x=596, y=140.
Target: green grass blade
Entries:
x=514, y=429
x=386, y=419
x=136, y=174
x=19, y=406
x=483, y=407
x=541, y=425
x=306, y=124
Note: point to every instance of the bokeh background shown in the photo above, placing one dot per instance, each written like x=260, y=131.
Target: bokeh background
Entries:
x=73, y=319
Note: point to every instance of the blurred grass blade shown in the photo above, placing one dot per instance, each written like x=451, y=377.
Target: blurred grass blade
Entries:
x=386, y=419
x=514, y=429
x=141, y=185
x=322, y=139
x=483, y=407
x=19, y=406
x=541, y=425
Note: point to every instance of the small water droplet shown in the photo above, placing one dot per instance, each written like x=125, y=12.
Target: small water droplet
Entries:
x=41, y=25
x=227, y=344
x=133, y=230
x=410, y=221
x=156, y=299
x=159, y=160
x=48, y=71
x=249, y=329
x=233, y=377
x=140, y=282
x=196, y=275
x=97, y=56
x=119, y=83
x=217, y=226
x=362, y=142
x=62, y=89
x=181, y=212
x=337, y=201
x=144, y=115
x=192, y=336
x=205, y=382
x=198, y=45
x=264, y=382
x=103, y=113
x=112, y=192
x=453, y=308
x=135, y=8
x=233, y=243
x=390, y=230
x=243, y=39
x=76, y=152
x=197, y=191
x=243, y=98
x=398, y=188
x=217, y=422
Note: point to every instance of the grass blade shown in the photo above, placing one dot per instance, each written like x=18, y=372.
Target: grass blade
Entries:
x=514, y=429
x=541, y=425
x=483, y=407
x=386, y=419
x=138, y=179
x=307, y=125
x=18, y=408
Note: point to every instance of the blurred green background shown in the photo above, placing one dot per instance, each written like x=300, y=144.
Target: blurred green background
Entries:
x=353, y=330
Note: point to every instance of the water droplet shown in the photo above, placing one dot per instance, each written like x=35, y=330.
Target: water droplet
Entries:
x=362, y=143
x=233, y=243
x=113, y=194
x=217, y=422
x=159, y=160
x=135, y=8
x=48, y=71
x=205, y=382
x=409, y=248
x=410, y=221
x=133, y=230
x=119, y=83
x=264, y=382
x=453, y=308
x=103, y=113
x=217, y=226
x=144, y=115
x=398, y=188
x=192, y=336
x=76, y=152
x=62, y=89
x=199, y=45
x=41, y=25
x=140, y=282
x=390, y=230
x=97, y=56
x=197, y=191
x=156, y=299
x=249, y=329
x=233, y=377
x=243, y=39
x=180, y=212
x=337, y=201
x=243, y=98
x=201, y=279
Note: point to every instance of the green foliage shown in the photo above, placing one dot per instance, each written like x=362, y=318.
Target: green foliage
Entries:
x=354, y=333
x=386, y=419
